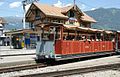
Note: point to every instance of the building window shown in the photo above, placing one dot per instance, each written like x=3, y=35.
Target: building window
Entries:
x=37, y=12
x=47, y=20
x=71, y=14
x=1, y=27
x=71, y=22
x=31, y=25
x=61, y=21
x=55, y=20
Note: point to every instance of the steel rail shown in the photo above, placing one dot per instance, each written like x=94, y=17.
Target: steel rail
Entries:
x=21, y=67
x=75, y=71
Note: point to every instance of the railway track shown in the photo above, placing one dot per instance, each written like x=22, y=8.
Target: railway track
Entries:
x=75, y=71
x=56, y=73
x=21, y=67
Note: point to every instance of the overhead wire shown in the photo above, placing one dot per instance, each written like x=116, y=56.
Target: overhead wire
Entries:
x=88, y=5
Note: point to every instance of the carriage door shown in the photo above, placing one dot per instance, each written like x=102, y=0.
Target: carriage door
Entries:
x=118, y=41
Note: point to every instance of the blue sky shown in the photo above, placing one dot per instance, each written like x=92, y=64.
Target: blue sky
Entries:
x=14, y=7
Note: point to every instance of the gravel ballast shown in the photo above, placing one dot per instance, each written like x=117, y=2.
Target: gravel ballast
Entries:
x=108, y=73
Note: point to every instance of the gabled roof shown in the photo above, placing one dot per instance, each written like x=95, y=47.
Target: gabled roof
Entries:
x=84, y=16
x=20, y=31
x=66, y=9
x=87, y=18
x=52, y=11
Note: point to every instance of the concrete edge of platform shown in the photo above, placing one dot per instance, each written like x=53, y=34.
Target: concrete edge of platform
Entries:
x=17, y=54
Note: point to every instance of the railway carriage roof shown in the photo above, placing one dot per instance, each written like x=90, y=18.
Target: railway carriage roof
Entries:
x=74, y=27
x=109, y=32
x=87, y=29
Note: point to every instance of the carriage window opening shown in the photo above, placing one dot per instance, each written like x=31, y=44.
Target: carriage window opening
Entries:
x=69, y=37
x=106, y=37
x=99, y=36
x=112, y=38
x=89, y=38
x=79, y=37
x=47, y=34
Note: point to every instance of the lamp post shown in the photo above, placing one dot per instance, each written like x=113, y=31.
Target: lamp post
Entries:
x=24, y=4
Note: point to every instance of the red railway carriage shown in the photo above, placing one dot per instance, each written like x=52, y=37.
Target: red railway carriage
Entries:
x=62, y=42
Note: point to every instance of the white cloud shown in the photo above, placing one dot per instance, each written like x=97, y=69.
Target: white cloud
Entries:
x=68, y=4
x=1, y=3
x=17, y=15
x=27, y=7
x=83, y=7
x=93, y=8
x=15, y=4
x=60, y=4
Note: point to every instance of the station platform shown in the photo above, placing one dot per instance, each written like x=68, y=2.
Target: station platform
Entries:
x=12, y=57
x=16, y=60
x=7, y=51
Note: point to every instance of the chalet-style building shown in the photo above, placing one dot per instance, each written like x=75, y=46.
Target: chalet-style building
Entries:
x=40, y=14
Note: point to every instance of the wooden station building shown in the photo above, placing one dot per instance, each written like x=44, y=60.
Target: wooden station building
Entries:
x=39, y=15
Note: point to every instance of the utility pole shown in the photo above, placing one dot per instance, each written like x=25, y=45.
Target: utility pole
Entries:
x=24, y=4
x=74, y=2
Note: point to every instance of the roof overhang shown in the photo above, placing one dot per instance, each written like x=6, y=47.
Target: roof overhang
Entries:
x=21, y=31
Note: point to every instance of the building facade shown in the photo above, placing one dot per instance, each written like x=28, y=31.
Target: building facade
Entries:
x=40, y=14
x=2, y=36
x=23, y=38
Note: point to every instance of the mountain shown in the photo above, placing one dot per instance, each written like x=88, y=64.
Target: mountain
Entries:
x=106, y=18
x=14, y=23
